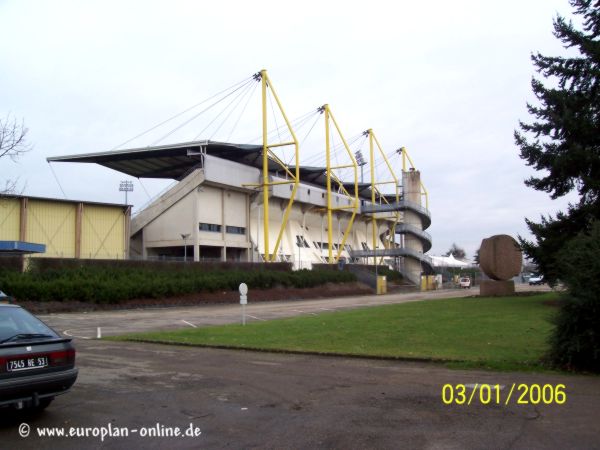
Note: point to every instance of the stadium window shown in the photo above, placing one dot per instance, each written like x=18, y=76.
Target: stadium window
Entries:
x=212, y=227
x=301, y=242
x=235, y=230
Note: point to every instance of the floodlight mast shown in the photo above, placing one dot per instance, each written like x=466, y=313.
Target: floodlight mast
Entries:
x=126, y=186
x=360, y=160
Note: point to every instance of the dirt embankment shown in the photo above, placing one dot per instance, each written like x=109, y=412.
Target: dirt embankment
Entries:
x=200, y=298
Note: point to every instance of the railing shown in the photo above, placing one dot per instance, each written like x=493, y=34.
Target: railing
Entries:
x=402, y=205
x=416, y=231
x=406, y=252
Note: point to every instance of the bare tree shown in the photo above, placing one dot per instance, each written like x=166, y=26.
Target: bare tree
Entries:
x=13, y=143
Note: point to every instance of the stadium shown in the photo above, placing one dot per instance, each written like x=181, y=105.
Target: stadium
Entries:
x=246, y=202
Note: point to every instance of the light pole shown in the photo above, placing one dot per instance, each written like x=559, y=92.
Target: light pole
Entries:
x=376, y=263
x=185, y=238
x=126, y=186
x=360, y=160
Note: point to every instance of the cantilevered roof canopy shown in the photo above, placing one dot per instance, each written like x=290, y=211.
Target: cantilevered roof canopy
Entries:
x=166, y=161
x=178, y=160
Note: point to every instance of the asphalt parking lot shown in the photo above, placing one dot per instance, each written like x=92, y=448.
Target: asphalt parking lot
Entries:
x=261, y=400
x=238, y=399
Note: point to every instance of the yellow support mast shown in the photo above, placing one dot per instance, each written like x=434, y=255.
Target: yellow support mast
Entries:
x=269, y=155
x=330, y=175
x=374, y=142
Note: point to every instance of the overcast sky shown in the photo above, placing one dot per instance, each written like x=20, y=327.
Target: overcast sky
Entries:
x=447, y=80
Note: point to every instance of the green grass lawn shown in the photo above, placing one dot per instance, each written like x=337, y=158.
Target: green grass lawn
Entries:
x=507, y=333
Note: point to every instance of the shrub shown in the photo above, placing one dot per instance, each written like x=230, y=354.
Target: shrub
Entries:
x=575, y=342
x=103, y=283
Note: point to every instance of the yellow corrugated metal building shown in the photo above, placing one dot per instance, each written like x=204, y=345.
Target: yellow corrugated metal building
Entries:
x=68, y=228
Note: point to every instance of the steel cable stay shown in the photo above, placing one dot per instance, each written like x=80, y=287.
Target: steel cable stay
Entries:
x=347, y=172
x=269, y=96
x=311, y=128
x=305, y=122
x=244, y=81
x=57, y=181
x=237, y=98
x=242, y=112
x=316, y=157
x=195, y=116
x=295, y=123
x=300, y=124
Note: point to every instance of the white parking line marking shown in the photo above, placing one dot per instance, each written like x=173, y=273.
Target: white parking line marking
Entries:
x=254, y=317
x=66, y=333
x=189, y=323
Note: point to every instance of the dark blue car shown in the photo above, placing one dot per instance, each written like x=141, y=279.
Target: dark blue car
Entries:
x=36, y=363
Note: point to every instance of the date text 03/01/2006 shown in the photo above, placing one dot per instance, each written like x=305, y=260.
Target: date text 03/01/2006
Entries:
x=497, y=394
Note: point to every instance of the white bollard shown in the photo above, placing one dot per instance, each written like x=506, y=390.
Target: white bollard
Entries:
x=243, y=301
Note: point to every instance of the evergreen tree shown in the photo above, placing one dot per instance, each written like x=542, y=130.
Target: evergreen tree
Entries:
x=564, y=143
x=564, y=139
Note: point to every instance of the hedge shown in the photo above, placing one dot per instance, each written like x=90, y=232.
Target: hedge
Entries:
x=105, y=284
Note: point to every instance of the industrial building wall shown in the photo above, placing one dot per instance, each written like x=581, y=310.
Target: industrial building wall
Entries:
x=103, y=233
x=9, y=219
x=52, y=224
x=68, y=229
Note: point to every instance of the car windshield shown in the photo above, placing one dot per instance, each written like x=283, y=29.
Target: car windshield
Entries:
x=16, y=323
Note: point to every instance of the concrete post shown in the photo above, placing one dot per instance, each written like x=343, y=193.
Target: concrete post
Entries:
x=196, y=225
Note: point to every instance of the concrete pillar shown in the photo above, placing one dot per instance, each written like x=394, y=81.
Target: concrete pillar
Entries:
x=411, y=186
x=78, y=225
x=196, y=225
x=411, y=189
x=223, y=227
x=144, y=249
x=23, y=219
x=248, y=235
x=127, y=237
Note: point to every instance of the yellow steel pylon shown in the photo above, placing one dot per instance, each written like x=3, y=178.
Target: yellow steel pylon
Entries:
x=331, y=176
x=269, y=155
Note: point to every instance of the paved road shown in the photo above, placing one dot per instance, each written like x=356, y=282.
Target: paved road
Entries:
x=245, y=400
x=84, y=325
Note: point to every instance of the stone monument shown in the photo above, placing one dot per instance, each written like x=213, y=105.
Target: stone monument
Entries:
x=500, y=258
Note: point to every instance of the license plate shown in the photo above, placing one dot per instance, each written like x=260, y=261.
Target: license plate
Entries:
x=35, y=362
